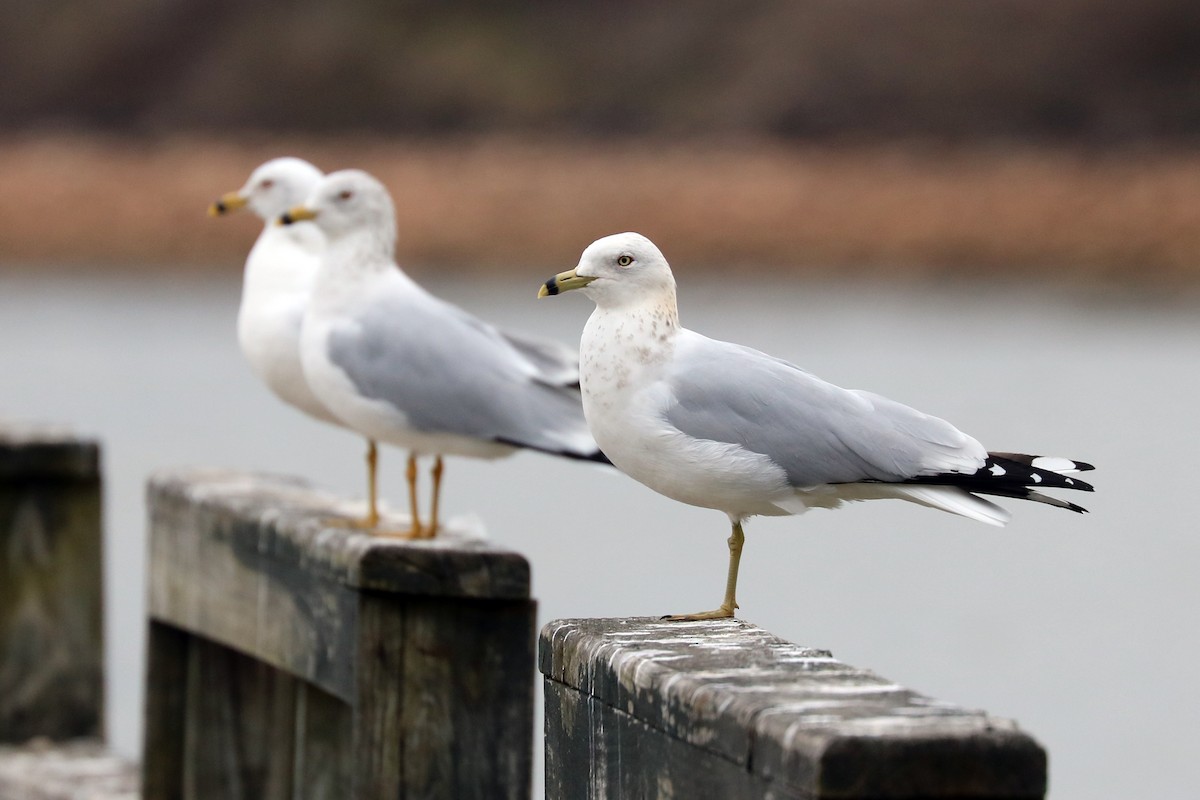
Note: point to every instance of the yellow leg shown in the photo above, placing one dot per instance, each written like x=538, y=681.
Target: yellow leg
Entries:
x=411, y=474
x=414, y=531
x=372, y=484
x=371, y=520
x=437, y=470
x=736, y=540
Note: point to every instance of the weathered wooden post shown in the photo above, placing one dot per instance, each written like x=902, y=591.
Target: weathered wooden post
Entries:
x=289, y=658
x=51, y=640
x=641, y=708
x=51, y=603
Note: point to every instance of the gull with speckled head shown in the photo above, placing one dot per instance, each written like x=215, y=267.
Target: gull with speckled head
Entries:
x=722, y=426
x=402, y=366
x=276, y=285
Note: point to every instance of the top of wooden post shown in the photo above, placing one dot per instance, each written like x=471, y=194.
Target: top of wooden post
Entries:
x=789, y=713
x=271, y=519
x=43, y=451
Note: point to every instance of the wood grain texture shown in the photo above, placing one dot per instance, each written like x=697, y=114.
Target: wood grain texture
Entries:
x=238, y=727
x=167, y=655
x=51, y=638
x=249, y=561
x=596, y=751
x=793, y=718
x=302, y=660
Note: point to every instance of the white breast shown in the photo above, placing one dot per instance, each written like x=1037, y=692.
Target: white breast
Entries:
x=625, y=363
x=278, y=281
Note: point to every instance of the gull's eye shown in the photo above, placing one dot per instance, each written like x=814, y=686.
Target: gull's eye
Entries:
x=345, y=194
x=267, y=183
x=624, y=261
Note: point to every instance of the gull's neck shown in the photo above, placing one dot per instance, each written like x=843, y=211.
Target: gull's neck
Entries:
x=362, y=251
x=660, y=310
x=351, y=264
x=623, y=347
x=283, y=261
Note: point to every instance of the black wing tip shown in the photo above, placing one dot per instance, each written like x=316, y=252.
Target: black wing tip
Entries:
x=1013, y=475
x=1027, y=460
x=593, y=456
x=596, y=457
x=1019, y=469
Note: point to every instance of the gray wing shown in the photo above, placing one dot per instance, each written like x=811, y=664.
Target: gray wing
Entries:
x=449, y=372
x=817, y=432
x=557, y=363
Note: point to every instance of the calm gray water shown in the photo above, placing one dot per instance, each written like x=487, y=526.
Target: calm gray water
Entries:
x=1086, y=629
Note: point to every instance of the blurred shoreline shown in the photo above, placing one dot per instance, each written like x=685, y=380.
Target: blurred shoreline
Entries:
x=894, y=212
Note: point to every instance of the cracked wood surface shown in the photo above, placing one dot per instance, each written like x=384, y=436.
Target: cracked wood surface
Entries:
x=636, y=707
x=290, y=658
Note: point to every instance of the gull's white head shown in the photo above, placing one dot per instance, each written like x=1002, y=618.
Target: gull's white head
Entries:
x=617, y=270
x=272, y=189
x=349, y=202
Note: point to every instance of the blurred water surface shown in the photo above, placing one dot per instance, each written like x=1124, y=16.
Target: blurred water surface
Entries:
x=1086, y=628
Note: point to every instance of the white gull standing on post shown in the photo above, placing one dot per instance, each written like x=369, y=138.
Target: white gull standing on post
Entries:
x=276, y=285
x=722, y=426
x=402, y=366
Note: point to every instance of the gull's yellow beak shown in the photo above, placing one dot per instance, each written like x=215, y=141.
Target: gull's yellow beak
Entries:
x=297, y=214
x=564, y=282
x=227, y=204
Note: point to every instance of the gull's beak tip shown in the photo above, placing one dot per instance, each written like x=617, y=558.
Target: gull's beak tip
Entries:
x=226, y=204
x=564, y=282
x=297, y=214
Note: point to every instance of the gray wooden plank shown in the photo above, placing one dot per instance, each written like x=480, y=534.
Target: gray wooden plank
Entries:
x=468, y=699
x=239, y=729
x=249, y=561
x=165, y=711
x=216, y=575
x=286, y=519
x=406, y=665
x=51, y=639
x=445, y=704
x=378, y=732
x=791, y=715
x=323, y=766
x=596, y=751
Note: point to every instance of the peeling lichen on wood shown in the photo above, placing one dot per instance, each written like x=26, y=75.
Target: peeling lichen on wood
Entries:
x=639, y=703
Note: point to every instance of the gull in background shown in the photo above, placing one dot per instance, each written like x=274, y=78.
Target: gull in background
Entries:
x=276, y=285
x=399, y=365
x=722, y=426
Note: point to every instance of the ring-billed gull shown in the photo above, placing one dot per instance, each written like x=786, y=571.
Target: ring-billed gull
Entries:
x=726, y=427
x=276, y=285
x=402, y=366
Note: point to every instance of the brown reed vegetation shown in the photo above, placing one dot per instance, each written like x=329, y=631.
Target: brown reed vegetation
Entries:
x=1124, y=216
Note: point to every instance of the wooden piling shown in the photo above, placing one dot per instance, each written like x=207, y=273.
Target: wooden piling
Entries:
x=290, y=658
x=642, y=708
x=51, y=638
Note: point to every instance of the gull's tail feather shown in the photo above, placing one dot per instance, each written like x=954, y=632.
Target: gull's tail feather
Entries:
x=1017, y=475
x=955, y=500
